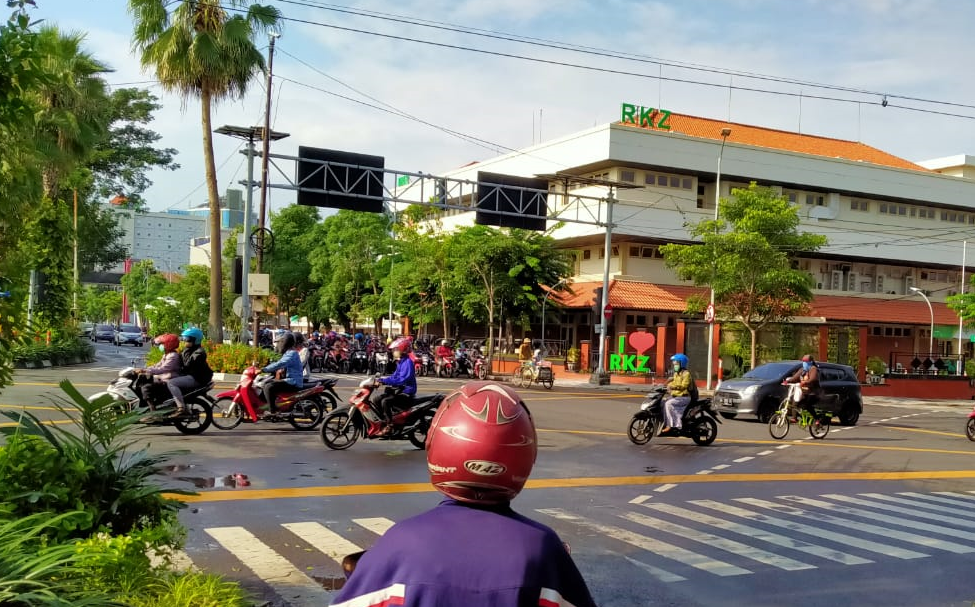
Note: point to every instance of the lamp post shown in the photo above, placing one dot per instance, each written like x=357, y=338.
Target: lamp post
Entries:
x=931, y=312
x=544, y=301
x=725, y=132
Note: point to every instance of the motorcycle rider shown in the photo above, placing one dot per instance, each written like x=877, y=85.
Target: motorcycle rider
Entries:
x=161, y=372
x=196, y=372
x=807, y=376
x=482, y=553
x=403, y=377
x=682, y=389
x=290, y=361
x=443, y=350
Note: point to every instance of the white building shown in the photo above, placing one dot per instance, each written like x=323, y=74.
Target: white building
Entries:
x=892, y=224
x=162, y=237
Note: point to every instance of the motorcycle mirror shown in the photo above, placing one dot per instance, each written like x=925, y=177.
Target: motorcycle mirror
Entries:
x=350, y=562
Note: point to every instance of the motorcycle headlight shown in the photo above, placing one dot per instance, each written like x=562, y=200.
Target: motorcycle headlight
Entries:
x=749, y=391
x=645, y=406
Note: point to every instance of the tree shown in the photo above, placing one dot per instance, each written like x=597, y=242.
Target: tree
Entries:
x=98, y=304
x=289, y=263
x=422, y=279
x=199, y=50
x=750, y=266
x=143, y=285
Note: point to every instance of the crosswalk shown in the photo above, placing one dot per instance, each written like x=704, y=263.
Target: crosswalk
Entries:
x=675, y=541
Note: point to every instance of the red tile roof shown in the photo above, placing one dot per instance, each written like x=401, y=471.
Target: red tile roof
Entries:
x=647, y=296
x=706, y=128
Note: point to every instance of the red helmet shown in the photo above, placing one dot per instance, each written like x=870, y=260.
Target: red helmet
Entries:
x=402, y=344
x=481, y=445
x=169, y=341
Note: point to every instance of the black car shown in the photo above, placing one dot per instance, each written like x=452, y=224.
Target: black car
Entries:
x=760, y=391
x=103, y=333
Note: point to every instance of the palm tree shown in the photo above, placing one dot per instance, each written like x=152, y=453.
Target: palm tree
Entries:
x=204, y=49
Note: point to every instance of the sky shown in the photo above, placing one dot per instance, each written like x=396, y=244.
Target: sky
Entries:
x=331, y=83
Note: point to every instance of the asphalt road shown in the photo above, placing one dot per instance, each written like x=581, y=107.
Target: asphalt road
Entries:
x=877, y=514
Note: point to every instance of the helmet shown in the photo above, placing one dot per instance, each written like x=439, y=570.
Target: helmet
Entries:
x=481, y=445
x=526, y=340
x=169, y=341
x=402, y=344
x=358, y=336
x=680, y=358
x=299, y=338
x=332, y=333
x=193, y=335
x=316, y=335
x=284, y=342
x=443, y=342
x=808, y=358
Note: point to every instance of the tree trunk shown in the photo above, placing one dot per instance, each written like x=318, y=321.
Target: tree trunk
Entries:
x=216, y=254
x=754, y=333
x=443, y=310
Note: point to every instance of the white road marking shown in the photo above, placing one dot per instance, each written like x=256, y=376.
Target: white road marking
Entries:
x=273, y=569
x=669, y=551
x=760, y=534
x=926, y=516
x=817, y=531
x=770, y=452
x=660, y=574
x=666, y=487
x=741, y=460
x=913, y=538
x=960, y=499
x=720, y=467
x=324, y=539
x=640, y=499
x=924, y=501
x=721, y=543
x=379, y=526
x=705, y=472
x=783, y=446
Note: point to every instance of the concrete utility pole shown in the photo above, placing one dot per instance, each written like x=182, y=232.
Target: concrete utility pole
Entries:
x=266, y=148
x=600, y=376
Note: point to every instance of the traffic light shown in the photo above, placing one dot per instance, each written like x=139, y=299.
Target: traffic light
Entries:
x=40, y=286
x=237, y=275
x=597, y=303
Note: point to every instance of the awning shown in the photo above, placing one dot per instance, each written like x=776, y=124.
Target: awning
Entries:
x=948, y=332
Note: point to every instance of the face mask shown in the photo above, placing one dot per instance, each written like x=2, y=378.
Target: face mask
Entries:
x=805, y=366
x=162, y=348
x=397, y=354
x=676, y=367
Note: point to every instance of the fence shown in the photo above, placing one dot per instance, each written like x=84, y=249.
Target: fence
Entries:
x=933, y=363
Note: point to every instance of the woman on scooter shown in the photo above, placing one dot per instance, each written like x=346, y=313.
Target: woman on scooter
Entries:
x=681, y=387
x=291, y=363
x=167, y=368
x=404, y=377
x=195, y=372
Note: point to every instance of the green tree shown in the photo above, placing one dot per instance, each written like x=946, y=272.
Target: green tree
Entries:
x=192, y=291
x=143, y=285
x=750, y=265
x=200, y=50
x=100, y=304
x=289, y=263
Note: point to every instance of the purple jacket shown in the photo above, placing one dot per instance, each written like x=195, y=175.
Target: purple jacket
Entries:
x=405, y=375
x=456, y=555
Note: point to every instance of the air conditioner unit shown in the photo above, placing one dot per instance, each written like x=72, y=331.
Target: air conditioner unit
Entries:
x=908, y=283
x=851, y=281
x=878, y=284
x=837, y=283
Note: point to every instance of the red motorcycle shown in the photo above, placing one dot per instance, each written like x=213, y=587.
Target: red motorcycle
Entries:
x=343, y=427
x=304, y=409
x=970, y=426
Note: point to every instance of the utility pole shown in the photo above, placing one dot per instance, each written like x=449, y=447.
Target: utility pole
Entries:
x=600, y=376
x=266, y=148
x=245, y=308
x=77, y=285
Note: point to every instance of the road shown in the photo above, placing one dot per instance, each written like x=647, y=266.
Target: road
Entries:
x=877, y=514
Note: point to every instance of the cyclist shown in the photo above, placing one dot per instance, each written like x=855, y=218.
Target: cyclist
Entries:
x=538, y=357
x=682, y=391
x=472, y=549
x=807, y=376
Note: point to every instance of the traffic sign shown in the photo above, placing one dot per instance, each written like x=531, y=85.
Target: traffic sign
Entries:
x=709, y=314
x=608, y=311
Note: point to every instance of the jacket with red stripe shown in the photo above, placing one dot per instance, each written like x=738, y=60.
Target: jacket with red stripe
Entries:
x=459, y=555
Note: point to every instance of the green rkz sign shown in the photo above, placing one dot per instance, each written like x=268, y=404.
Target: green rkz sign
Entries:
x=632, y=363
x=645, y=116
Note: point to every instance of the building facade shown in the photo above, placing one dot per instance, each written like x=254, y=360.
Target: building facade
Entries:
x=892, y=226
x=162, y=237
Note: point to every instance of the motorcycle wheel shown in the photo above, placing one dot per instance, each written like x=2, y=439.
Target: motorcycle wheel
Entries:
x=198, y=419
x=705, y=432
x=421, y=370
x=306, y=414
x=328, y=403
x=819, y=428
x=338, y=431
x=482, y=372
x=970, y=429
x=641, y=429
x=227, y=414
x=778, y=425
x=344, y=367
x=418, y=435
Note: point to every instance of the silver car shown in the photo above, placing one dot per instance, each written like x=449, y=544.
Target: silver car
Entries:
x=128, y=334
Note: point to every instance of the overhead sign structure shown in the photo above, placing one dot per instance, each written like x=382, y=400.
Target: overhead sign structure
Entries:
x=511, y=202
x=647, y=117
x=348, y=180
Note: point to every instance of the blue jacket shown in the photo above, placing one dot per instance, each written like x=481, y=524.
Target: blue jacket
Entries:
x=457, y=555
x=291, y=363
x=405, y=375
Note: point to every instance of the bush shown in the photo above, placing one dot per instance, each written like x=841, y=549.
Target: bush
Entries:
x=60, y=351
x=875, y=365
x=227, y=358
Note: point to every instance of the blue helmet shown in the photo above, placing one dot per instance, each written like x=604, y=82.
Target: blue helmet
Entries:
x=192, y=334
x=358, y=336
x=680, y=358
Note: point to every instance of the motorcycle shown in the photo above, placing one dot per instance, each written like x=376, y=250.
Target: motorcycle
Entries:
x=699, y=422
x=127, y=391
x=970, y=426
x=343, y=427
x=480, y=365
x=304, y=409
x=359, y=361
x=463, y=363
x=380, y=362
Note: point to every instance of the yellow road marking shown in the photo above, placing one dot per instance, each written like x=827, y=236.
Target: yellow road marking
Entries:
x=575, y=483
x=922, y=431
x=32, y=407
x=48, y=422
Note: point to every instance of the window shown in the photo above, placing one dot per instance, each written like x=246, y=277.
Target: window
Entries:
x=634, y=251
x=641, y=320
x=700, y=190
x=650, y=179
x=628, y=176
x=883, y=207
x=649, y=252
x=674, y=181
x=587, y=254
x=686, y=183
x=792, y=196
x=859, y=205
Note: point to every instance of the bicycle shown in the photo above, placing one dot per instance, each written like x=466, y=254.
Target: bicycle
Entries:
x=818, y=424
x=526, y=375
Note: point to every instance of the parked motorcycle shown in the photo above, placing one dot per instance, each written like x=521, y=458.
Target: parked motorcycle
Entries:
x=343, y=427
x=359, y=361
x=304, y=409
x=380, y=362
x=127, y=390
x=970, y=426
x=699, y=422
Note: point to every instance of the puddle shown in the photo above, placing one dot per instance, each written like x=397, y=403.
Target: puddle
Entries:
x=652, y=470
x=231, y=480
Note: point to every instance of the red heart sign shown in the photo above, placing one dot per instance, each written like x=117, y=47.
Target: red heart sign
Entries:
x=642, y=341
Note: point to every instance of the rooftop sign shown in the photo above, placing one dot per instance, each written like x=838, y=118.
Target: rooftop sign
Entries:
x=647, y=117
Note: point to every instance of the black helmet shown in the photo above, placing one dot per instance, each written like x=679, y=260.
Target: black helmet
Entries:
x=284, y=343
x=299, y=338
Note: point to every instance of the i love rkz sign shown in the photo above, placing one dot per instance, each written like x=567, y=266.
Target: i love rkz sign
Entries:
x=633, y=363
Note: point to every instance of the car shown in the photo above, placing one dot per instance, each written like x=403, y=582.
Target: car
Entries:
x=103, y=333
x=128, y=334
x=85, y=329
x=760, y=391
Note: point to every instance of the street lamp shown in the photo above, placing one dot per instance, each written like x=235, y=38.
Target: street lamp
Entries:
x=544, y=301
x=725, y=132
x=931, y=312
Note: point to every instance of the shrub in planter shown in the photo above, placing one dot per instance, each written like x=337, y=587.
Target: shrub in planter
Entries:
x=572, y=359
x=227, y=358
x=875, y=366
